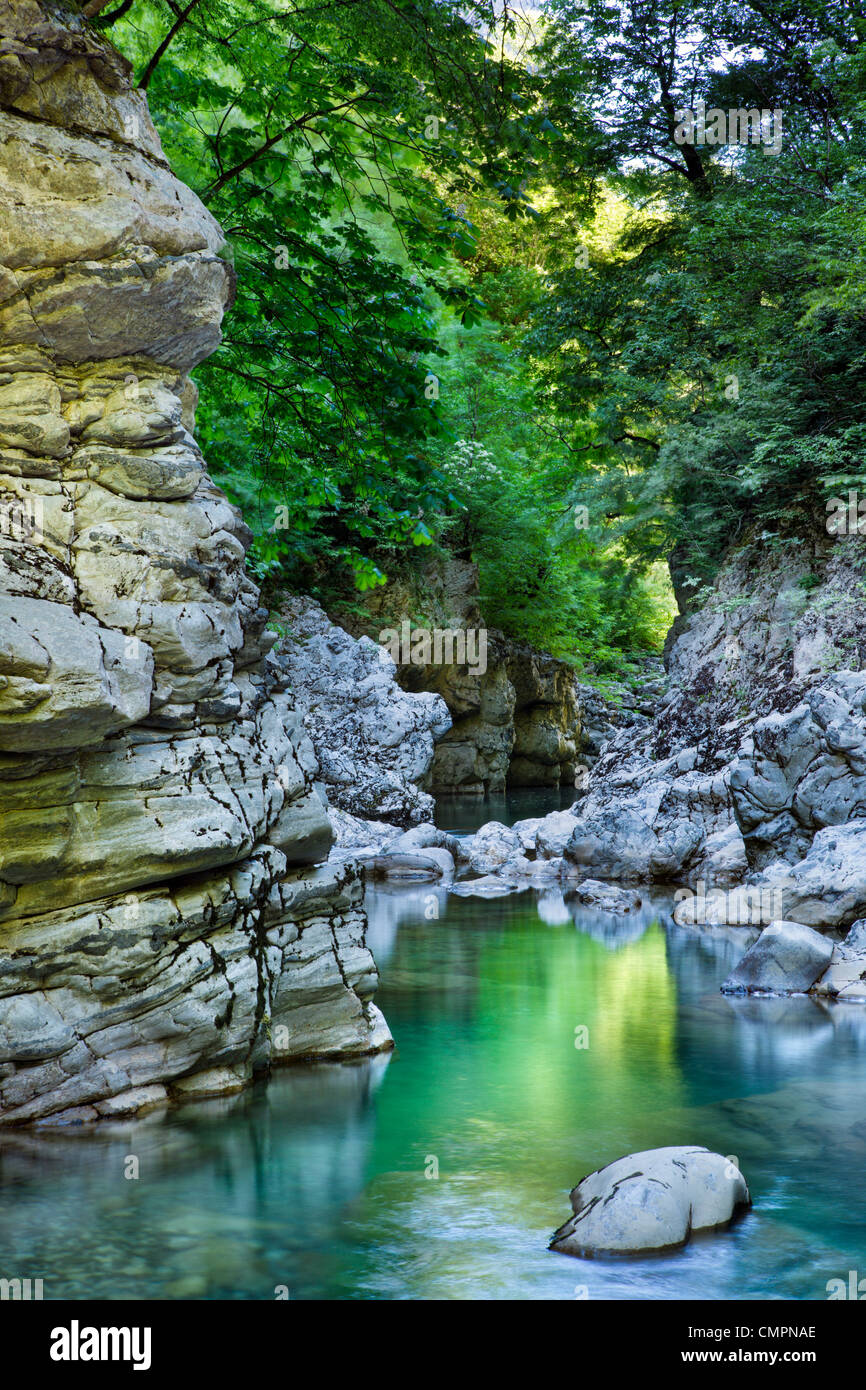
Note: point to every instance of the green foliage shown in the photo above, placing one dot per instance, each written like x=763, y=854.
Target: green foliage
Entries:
x=488, y=303
x=718, y=343
x=305, y=130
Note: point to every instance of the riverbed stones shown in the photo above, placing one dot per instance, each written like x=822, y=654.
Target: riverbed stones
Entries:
x=652, y=1201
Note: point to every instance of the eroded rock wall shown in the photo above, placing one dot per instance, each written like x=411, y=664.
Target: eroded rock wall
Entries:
x=754, y=767
x=515, y=715
x=516, y=723
x=373, y=740
x=162, y=931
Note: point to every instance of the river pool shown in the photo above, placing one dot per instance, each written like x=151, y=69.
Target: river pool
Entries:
x=323, y=1180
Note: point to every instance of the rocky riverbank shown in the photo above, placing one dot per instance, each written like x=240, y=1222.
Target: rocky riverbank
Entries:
x=743, y=787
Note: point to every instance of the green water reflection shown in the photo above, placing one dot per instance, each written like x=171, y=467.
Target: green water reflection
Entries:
x=318, y=1179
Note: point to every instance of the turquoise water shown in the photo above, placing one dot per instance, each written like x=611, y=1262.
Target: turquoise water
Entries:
x=316, y=1180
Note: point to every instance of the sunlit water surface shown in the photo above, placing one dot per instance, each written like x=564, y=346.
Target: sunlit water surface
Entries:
x=323, y=1179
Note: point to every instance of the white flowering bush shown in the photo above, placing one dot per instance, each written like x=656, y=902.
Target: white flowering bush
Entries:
x=469, y=464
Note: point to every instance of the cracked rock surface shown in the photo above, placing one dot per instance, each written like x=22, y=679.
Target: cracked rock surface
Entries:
x=654, y=1200
x=164, y=929
x=374, y=741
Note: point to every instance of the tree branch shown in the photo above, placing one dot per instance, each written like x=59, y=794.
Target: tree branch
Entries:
x=175, y=28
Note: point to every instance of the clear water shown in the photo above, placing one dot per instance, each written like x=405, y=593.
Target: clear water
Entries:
x=462, y=815
x=316, y=1181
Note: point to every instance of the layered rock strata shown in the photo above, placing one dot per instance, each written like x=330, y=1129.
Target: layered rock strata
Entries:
x=162, y=929
x=515, y=724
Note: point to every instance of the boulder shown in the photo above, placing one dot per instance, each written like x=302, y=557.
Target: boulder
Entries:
x=606, y=897
x=787, y=958
x=402, y=865
x=527, y=831
x=429, y=836
x=649, y=1201
x=356, y=837
x=493, y=847
x=553, y=834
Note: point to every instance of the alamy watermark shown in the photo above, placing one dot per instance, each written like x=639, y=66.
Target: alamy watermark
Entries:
x=733, y=907
x=855, y=1289
x=736, y=126
x=21, y=519
x=847, y=518
x=20, y=1290
x=438, y=646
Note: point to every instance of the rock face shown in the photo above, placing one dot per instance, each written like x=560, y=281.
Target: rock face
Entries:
x=159, y=931
x=758, y=748
x=845, y=976
x=802, y=771
x=653, y=1200
x=516, y=722
x=374, y=741
x=646, y=820
x=827, y=888
x=782, y=618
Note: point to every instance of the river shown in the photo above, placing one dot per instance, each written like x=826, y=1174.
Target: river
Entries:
x=441, y=1170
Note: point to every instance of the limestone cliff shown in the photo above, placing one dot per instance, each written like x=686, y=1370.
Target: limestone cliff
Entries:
x=162, y=931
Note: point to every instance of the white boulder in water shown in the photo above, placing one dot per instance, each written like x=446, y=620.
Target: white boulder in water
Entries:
x=652, y=1200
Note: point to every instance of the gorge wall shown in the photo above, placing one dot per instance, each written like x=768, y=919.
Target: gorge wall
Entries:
x=754, y=768
x=516, y=722
x=167, y=925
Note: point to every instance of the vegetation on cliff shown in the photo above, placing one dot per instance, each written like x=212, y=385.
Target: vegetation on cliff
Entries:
x=490, y=300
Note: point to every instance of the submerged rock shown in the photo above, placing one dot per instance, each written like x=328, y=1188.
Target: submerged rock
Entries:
x=654, y=1200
